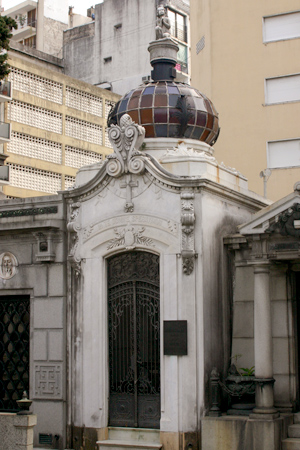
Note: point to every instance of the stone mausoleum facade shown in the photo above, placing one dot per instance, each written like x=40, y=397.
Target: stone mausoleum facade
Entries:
x=121, y=296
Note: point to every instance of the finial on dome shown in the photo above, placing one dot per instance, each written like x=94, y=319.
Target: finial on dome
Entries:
x=163, y=23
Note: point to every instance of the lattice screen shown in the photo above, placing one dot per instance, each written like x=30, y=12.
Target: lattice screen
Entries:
x=35, y=116
x=24, y=144
x=109, y=104
x=69, y=181
x=107, y=141
x=86, y=131
x=36, y=179
x=76, y=157
x=36, y=85
x=83, y=101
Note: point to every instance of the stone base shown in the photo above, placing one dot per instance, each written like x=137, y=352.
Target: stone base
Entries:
x=87, y=437
x=16, y=431
x=241, y=433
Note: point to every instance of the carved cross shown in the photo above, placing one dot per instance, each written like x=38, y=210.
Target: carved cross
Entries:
x=128, y=184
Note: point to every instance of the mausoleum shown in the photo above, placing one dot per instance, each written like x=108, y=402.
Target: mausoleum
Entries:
x=125, y=299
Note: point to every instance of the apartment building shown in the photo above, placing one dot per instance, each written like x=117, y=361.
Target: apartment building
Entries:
x=245, y=57
x=111, y=51
x=41, y=24
x=58, y=124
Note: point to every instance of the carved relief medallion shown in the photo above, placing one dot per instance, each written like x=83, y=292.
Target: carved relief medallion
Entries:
x=8, y=265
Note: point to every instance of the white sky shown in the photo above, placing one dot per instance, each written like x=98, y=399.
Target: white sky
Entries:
x=80, y=6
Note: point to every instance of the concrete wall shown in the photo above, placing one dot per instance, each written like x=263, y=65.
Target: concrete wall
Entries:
x=56, y=10
x=231, y=70
x=84, y=56
x=53, y=37
x=29, y=94
x=45, y=283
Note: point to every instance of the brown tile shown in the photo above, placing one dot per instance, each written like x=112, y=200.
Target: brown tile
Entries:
x=134, y=115
x=133, y=103
x=149, y=131
x=146, y=116
x=160, y=100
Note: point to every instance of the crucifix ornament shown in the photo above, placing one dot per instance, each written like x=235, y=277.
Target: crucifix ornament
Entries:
x=126, y=160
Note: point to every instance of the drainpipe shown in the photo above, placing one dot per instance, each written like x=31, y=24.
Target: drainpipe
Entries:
x=40, y=26
x=265, y=174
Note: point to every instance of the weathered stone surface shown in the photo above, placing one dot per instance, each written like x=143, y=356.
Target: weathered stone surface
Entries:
x=243, y=326
x=48, y=313
x=40, y=345
x=56, y=280
x=16, y=431
x=56, y=348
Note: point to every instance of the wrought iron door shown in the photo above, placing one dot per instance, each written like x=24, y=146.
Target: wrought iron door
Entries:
x=14, y=350
x=134, y=340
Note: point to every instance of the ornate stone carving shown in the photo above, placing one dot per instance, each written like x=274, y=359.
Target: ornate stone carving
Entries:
x=129, y=237
x=126, y=160
x=187, y=229
x=284, y=222
x=183, y=150
x=163, y=23
x=126, y=139
x=8, y=265
x=29, y=211
x=73, y=228
x=48, y=381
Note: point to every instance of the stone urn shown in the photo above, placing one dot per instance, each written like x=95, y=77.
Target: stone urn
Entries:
x=241, y=391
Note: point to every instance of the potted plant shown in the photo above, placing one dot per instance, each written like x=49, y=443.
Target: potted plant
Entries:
x=240, y=387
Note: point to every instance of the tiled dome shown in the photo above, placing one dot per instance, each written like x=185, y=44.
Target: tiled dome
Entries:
x=166, y=108
x=170, y=109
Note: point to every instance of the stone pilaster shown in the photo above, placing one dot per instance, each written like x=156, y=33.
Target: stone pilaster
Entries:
x=263, y=354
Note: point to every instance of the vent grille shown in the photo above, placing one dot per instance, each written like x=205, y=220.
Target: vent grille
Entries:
x=45, y=439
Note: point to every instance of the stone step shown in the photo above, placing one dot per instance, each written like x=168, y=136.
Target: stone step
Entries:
x=294, y=431
x=110, y=444
x=291, y=444
x=134, y=434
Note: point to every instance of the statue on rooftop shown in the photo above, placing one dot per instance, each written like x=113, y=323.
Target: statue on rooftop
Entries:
x=163, y=23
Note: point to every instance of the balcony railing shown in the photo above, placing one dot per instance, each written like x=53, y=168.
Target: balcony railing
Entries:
x=5, y=91
x=26, y=28
x=4, y=132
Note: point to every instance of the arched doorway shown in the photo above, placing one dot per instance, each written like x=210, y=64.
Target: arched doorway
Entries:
x=134, y=340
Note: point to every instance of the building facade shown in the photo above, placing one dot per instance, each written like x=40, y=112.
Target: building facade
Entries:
x=58, y=124
x=103, y=52
x=243, y=56
x=40, y=24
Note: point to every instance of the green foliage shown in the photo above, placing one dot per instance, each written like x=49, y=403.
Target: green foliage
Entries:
x=247, y=372
x=6, y=25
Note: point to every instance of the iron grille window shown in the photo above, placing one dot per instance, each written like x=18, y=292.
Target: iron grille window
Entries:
x=14, y=350
x=178, y=25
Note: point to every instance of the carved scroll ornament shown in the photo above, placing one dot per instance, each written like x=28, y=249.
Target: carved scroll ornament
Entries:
x=126, y=139
x=73, y=228
x=187, y=240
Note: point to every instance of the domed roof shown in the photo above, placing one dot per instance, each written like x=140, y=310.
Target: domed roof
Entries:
x=166, y=108
x=169, y=109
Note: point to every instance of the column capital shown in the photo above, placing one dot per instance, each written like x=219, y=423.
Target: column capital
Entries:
x=261, y=266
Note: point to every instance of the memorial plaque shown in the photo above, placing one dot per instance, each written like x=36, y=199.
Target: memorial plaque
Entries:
x=284, y=246
x=175, y=337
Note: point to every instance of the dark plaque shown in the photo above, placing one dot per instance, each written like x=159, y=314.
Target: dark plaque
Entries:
x=283, y=246
x=175, y=337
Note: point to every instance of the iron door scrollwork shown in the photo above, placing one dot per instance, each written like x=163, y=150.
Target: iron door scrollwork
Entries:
x=14, y=350
x=134, y=340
